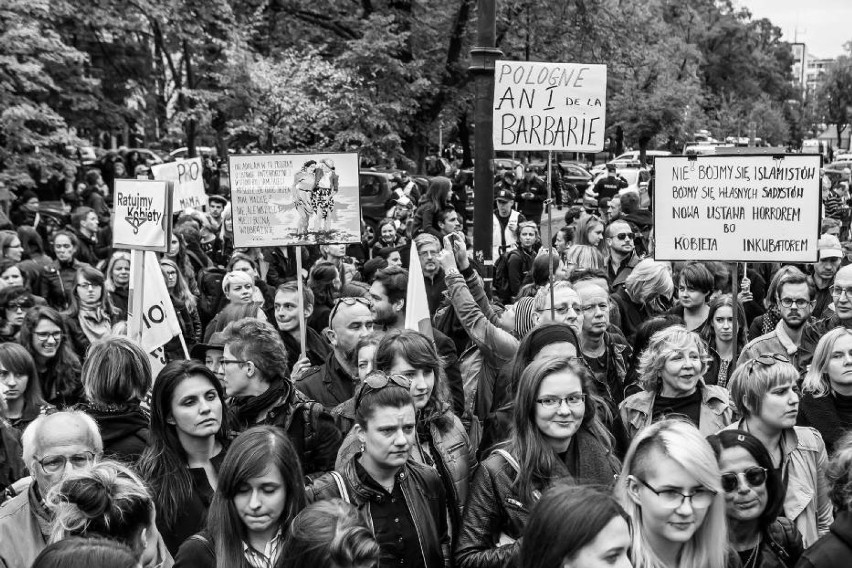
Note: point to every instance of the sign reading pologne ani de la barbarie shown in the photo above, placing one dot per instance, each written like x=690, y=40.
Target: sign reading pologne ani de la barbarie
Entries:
x=559, y=107
x=142, y=211
x=737, y=208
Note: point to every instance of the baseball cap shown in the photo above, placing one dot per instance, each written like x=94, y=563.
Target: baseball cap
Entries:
x=505, y=195
x=828, y=246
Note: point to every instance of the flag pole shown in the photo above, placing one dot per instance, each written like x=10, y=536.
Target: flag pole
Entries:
x=302, y=331
x=550, y=228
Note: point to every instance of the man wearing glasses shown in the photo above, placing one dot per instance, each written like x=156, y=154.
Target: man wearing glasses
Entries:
x=54, y=446
x=795, y=301
x=841, y=296
x=622, y=252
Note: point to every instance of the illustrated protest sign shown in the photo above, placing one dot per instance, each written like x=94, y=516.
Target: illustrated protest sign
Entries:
x=737, y=208
x=295, y=199
x=188, y=179
x=549, y=106
x=142, y=211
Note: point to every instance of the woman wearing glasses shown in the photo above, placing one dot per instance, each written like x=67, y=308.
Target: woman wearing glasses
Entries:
x=14, y=303
x=670, y=487
x=827, y=389
x=91, y=314
x=753, y=498
x=671, y=371
x=718, y=333
x=259, y=491
x=184, y=304
x=19, y=386
x=764, y=392
x=403, y=501
x=187, y=443
x=441, y=442
x=556, y=435
x=45, y=336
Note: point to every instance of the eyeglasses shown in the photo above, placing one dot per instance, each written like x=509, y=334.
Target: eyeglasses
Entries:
x=45, y=335
x=573, y=400
x=88, y=285
x=224, y=361
x=55, y=464
x=348, y=301
x=564, y=309
x=789, y=302
x=754, y=476
x=622, y=236
x=838, y=291
x=672, y=499
x=595, y=307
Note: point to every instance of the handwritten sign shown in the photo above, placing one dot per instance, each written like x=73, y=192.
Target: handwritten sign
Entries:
x=295, y=199
x=142, y=213
x=549, y=106
x=188, y=179
x=737, y=208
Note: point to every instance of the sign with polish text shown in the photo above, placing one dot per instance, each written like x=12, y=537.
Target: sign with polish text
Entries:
x=142, y=211
x=188, y=180
x=558, y=107
x=757, y=208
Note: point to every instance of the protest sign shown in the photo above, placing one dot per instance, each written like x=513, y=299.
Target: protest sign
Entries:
x=188, y=180
x=295, y=199
x=152, y=321
x=737, y=208
x=549, y=106
x=142, y=211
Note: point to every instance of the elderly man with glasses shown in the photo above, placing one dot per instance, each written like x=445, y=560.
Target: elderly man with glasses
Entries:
x=841, y=296
x=54, y=446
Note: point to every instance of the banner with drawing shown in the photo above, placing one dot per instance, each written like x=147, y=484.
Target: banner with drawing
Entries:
x=295, y=199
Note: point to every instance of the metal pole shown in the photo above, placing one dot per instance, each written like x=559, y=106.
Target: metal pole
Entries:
x=549, y=204
x=735, y=291
x=482, y=67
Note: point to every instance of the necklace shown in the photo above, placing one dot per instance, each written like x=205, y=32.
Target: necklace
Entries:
x=751, y=562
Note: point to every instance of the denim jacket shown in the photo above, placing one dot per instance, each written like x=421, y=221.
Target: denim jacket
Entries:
x=716, y=410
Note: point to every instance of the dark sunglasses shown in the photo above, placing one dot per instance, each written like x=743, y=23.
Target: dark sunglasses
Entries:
x=24, y=305
x=348, y=301
x=377, y=380
x=754, y=476
x=622, y=236
x=767, y=360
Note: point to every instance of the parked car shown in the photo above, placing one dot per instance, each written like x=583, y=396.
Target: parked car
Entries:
x=376, y=189
x=637, y=179
x=183, y=152
x=634, y=155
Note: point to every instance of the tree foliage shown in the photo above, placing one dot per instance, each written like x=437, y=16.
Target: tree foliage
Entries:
x=835, y=94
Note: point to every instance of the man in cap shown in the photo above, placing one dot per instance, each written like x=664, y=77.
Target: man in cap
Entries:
x=506, y=221
x=610, y=185
x=829, y=256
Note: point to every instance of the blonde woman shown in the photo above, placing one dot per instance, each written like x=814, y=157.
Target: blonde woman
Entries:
x=670, y=486
x=671, y=373
x=647, y=292
x=827, y=389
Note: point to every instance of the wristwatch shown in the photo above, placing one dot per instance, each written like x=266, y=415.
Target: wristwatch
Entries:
x=451, y=271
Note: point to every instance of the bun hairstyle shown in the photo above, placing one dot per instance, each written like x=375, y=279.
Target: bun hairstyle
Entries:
x=107, y=501
x=328, y=534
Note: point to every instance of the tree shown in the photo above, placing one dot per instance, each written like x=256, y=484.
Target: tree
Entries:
x=835, y=94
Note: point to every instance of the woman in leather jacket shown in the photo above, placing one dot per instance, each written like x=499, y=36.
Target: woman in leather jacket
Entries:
x=556, y=435
x=754, y=495
x=441, y=442
x=403, y=502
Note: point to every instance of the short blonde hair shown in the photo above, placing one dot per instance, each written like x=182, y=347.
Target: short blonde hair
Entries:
x=753, y=379
x=662, y=346
x=236, y=277
x=649, y=278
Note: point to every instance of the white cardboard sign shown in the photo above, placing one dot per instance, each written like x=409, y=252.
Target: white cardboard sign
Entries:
x=549, y=106
x=142, y=213
x=187, y=176
x=737, y=208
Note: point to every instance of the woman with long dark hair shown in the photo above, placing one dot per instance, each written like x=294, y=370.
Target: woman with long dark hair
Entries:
x=437, y=197
x=441, y=442
x=14, y=303
x=576, y=527
x=556, y=435
x=19, y=386
x=754, y=495
x=187, y=443
x=90, y=314
x=718, y=334
x=184, y=304
x=45, y=335
x=324, y=281
x=259, y=492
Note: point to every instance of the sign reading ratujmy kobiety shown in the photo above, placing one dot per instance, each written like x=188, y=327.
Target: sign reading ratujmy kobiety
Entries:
x=737, y=208
x=295, y=199
x=549, y=106
x=142, y=213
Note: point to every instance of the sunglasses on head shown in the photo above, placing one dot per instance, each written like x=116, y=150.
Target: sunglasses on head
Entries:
x=754, y=476
x=767, y=360
x=348, y=301
x=377, y=380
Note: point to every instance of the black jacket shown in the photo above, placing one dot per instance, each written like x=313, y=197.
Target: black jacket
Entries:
x=821, y=414
x=57, y=283
x=329, y=383
x=12, y=467
x=317, y=348
x=124, y=430
x=834, y=550
x=424, y=496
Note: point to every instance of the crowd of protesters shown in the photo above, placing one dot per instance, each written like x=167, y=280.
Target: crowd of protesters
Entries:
x=591, y=407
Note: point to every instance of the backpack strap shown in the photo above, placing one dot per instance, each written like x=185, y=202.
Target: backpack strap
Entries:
x=512, y=461
x=341, y=486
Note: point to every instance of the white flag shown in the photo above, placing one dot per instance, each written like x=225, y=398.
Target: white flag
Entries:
x=153, y=321
x=417, y=315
